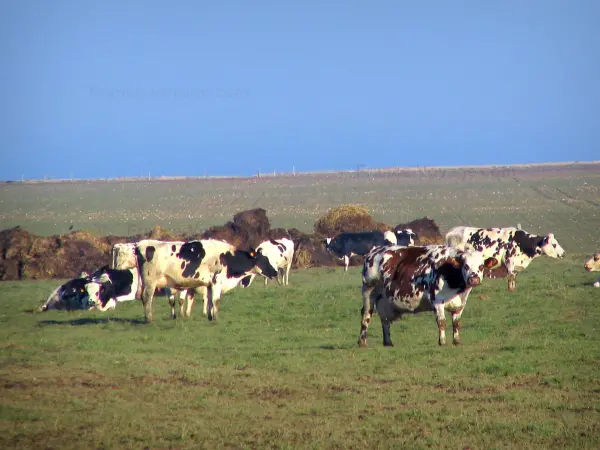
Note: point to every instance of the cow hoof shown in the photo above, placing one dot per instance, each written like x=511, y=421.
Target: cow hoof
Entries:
x=362, y=344
x=388, y=344
x=457, y=342
x=442, y=342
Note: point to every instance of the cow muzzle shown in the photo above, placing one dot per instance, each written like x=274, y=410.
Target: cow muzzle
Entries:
x=588, y=267
x=474, y=280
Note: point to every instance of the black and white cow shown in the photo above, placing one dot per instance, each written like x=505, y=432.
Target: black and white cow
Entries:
x=72, y=294
x=112, y=287
x=189, y=266
x=408, y=280
x=346, y=245
x=124, y=257
x=406, y=237
x=280, y=253
x=512, y=247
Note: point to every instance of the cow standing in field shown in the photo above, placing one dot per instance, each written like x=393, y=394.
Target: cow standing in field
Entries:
x=408, y=280
x=124, y=257
x=280, y=253
x=346, y=245
x=189, y=266
x=593, y=265
x=513, y=248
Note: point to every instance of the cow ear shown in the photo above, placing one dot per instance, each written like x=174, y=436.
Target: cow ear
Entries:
x=550, y=236
x=252, y=253
x=490, y=262
x=456, y=263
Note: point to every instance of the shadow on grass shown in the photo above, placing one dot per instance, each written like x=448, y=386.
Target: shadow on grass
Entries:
x=333, y=347
x=92, y=321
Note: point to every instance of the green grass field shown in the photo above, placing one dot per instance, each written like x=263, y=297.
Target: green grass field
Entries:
x=566, y=202
x=282, y=369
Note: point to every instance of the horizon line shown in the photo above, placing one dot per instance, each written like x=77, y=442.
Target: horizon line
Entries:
x=294, y=173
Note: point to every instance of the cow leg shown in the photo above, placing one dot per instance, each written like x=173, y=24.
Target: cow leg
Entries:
x=346, y=262
x=456, y=328
x=204, y=291
x=287, y=274
x=385, y=325
x=190, y=296
x=266, y=279
x=171, y=299
x=456, y=315
x=366, y=313
x=110, y=304
x=214, y=295
x=440, y=318
x=147, y=295
x=512, y=282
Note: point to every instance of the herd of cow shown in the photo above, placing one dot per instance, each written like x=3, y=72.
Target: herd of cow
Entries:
x=397, y=278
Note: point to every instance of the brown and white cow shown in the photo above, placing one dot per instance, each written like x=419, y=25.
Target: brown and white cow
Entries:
x=191, y=266
x=593, y=265
x=512, y=247
x=401, y=280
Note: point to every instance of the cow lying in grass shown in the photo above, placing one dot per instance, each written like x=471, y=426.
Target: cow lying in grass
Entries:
x=101, y=290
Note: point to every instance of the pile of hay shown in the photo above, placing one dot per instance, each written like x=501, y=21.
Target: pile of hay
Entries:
x=246, y=230
x=347, y=218
x=26, y=256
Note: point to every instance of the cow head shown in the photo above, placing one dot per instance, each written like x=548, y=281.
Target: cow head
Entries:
x=593, y=264
x=412, y=234
x=406, y=235
x=473, y=265
x=98, y=293
x=550, y=246
x=262, y=266
x=241, y=263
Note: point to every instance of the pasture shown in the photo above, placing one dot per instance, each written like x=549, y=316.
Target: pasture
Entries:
x=282, y=368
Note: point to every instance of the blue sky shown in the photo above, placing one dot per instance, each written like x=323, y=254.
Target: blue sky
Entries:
x=111, y=88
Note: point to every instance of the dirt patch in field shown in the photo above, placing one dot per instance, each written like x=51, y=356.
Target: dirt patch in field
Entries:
x=245, y=231
x=27, y=256
x=428, y=232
